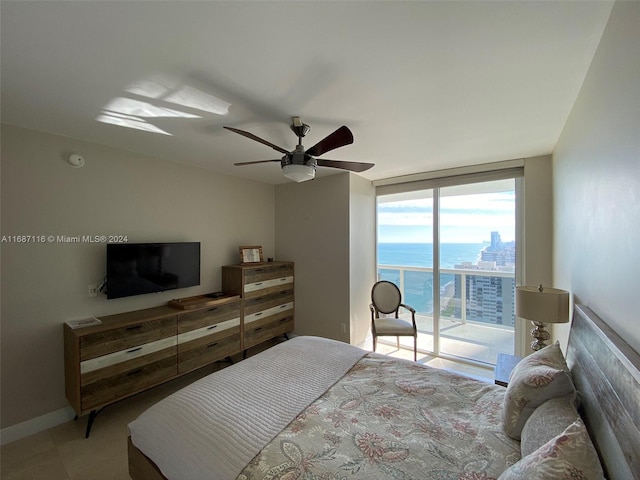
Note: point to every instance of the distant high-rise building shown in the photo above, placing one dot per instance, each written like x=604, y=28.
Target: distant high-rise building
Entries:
x=502, y=253
x=489, y=299
x=496, y=242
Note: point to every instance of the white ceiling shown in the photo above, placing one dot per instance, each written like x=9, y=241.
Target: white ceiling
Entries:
x=423, y=85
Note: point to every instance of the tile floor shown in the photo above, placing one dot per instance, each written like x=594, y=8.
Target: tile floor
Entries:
x=62, y=452
x=471, y=340
x=387, y=346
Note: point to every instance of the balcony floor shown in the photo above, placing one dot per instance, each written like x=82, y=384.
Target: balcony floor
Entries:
x=467, y=348
x=485, y=374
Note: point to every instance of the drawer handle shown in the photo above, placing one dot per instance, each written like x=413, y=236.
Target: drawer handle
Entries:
x=256, y=329
x=212, y=345
x=283, y=320
x=135, y=327
x=212, y=309
x=134, y=349
x=283, y=306
x=134, y=372
x=258, y=314
x=212, y=327
x=283, y=279
x=258, y=284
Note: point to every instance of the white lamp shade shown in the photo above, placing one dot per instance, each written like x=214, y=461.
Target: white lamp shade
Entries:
x=299, y=173
x=546, y=305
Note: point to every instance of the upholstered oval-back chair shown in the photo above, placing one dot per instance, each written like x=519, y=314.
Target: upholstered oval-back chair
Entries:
x=386, y=299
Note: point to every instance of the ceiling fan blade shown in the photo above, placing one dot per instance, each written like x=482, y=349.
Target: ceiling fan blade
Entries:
x=339, y=138
x=351, y=166
x=256, y=161
x=258, y=139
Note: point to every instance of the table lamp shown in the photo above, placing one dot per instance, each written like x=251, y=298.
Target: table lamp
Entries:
x=542, y=305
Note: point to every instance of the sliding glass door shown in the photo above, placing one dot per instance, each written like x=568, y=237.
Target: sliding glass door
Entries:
x=405, y=255
x=477, y=270
x=452, y=252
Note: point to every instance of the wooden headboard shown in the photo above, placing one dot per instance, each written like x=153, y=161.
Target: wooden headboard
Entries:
x=606, y=372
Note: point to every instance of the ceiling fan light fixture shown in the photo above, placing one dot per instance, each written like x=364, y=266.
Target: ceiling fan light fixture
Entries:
x=299, y=173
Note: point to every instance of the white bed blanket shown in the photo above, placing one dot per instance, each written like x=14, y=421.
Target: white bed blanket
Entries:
x=219, y=423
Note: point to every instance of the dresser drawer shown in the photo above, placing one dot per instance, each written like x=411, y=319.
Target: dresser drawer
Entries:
x=204, y=350
x=204, y=318
x=123, y=338
x=267, y=285
x=266, y=301
x=124, y=356
x=263, y=330
x=279, y=311
x=263, y=273
x=101, y=387
x=206, y=331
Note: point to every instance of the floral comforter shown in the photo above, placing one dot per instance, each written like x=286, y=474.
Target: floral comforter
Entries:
x=393, y=419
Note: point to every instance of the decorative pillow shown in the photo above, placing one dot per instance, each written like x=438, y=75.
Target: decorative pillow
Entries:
x=547, y=421
x=569, y=455
x=541, y=376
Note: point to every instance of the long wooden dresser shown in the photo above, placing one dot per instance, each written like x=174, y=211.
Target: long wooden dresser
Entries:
x=130, y=352
x=133, y=351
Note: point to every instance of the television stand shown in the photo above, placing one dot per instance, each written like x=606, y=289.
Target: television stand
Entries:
x=131, y=352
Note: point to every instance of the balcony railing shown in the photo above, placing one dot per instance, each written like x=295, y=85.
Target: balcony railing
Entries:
x=496, y=298
x=477, y=315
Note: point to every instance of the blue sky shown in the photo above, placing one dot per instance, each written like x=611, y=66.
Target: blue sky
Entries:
x=463, y=219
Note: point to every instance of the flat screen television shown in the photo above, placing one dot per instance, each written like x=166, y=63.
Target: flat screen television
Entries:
x=139, y=268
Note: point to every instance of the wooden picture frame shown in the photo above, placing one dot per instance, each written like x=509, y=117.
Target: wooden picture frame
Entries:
x=251, y=254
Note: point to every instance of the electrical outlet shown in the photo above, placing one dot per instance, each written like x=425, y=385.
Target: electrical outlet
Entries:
x=93, y=290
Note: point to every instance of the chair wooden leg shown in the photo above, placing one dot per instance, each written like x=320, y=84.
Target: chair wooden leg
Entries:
x=415, y=349
x=374, y=342
x=398, y=342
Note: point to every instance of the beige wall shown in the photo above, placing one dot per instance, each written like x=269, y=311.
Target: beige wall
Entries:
x=362, y=273
x=327, y=227
x=312, y=230
x=115, y=193
x=537, y=235
x=538, y=229
x=596, y=167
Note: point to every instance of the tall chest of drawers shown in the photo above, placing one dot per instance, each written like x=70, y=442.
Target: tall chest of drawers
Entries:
x=267, y=292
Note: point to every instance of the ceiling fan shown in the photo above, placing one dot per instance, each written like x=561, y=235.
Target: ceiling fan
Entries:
x=300, y=164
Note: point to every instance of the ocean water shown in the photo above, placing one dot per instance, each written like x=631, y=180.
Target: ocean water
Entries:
x=418, y=286
x=421, y=254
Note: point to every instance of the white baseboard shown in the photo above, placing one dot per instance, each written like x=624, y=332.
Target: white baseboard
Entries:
x=35, y=425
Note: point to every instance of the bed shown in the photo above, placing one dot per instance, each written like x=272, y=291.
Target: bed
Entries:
x=320, y=409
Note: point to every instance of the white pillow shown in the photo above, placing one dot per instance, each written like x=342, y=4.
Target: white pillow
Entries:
x=568, y=455
x=547, y=421
x=541, y=376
